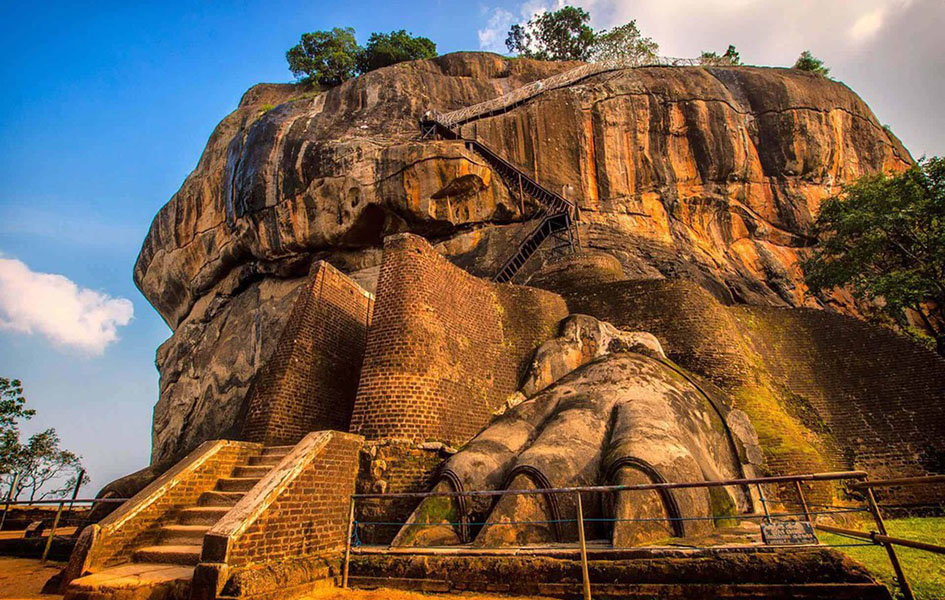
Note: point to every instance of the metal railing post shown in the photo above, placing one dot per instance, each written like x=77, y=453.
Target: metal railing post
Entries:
x=6, y=506
x=893, y=558
x=580, y=523
x=344, y=575
x=52, y=532
x=764, y=503
x=75, y=490
x=800, y=496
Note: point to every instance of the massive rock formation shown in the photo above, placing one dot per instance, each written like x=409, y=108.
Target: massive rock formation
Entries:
x=711, y=174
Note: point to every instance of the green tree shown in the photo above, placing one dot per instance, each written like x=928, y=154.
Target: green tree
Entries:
x=624, y=43
x=45, y=470
x=40, y=467
x=730, y=57
x=808, y=62
x=385, y=49
x=325, y=57
x=12, y=410
x=559, y=35
x=883, y=237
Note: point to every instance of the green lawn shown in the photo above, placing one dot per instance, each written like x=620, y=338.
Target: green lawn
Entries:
x=924, y=570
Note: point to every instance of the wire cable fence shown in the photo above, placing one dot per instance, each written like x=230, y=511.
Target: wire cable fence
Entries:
x=769, y=511
x=66, y=519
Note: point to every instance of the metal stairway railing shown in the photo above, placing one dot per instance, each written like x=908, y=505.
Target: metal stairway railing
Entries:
x=556, y=212
x=552, y=225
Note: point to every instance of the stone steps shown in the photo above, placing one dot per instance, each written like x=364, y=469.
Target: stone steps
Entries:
x=135, y=581
x=168, y=554
x=217, y=498
x=164, y=571
x=202, y=515
x=255, y=471
x=183, y=534
x=236, y=484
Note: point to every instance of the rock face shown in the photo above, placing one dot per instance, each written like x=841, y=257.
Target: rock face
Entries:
x=708, y=174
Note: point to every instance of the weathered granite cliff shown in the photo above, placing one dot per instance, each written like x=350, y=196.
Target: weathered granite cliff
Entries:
x=708, y=174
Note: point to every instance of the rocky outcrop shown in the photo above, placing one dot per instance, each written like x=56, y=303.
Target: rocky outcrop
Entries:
x=709, y=174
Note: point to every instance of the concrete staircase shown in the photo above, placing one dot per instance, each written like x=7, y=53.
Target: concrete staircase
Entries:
x=164, y=570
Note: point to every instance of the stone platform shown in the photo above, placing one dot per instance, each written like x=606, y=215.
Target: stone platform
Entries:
x=668, y=573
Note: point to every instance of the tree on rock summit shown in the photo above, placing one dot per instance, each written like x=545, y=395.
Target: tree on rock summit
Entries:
x=385, y=49
x=810, y=63
x=325, y=57
x=559, y=35
x=331, y=57
x=564, y=34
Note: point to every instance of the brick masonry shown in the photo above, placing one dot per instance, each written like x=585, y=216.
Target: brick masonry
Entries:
x=445, y=349
x=310, y=381
x=137, y=522
x=859, y=395
x=309, y=517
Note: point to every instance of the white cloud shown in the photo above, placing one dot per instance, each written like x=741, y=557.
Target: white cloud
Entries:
x=57, y=308
x=866, y=26
x=492, y=38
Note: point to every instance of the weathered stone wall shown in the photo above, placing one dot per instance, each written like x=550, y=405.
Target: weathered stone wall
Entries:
x=881, y=395
x=393, y=467
x=824, y=391
x=445, y=348
x=311, y=379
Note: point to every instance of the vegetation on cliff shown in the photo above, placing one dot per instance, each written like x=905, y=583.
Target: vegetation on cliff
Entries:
x=564, y=34
x=331, y=57
x=808, y=62
x=884, y=238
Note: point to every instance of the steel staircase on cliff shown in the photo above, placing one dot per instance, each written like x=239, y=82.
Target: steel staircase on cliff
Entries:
x=555, y=214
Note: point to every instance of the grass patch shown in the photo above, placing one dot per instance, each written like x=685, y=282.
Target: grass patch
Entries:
x=924, y=570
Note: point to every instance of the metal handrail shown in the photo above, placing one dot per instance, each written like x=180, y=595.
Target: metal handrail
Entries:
x=900, y=481
x=831, y=476
x=569, y=77
x=544, y=229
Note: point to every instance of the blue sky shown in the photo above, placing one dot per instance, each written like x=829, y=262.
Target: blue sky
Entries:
x=105, y=108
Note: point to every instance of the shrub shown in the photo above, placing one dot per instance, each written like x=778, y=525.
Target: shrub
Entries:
x=808, y=62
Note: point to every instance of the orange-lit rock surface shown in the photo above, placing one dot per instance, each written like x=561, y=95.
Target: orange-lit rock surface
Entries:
x=709, y=174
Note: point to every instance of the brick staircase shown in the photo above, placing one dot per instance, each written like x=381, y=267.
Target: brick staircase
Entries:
x=164, y=569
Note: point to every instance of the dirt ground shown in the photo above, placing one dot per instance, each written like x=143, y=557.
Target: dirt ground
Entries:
x=385, y=594
x=23, y=578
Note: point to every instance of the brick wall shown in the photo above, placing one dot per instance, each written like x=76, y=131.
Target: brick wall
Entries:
x=445, y=349
x=881, y=395
x=309, y=516
x=310, y=381
x=823, y=390
x=137, y=522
